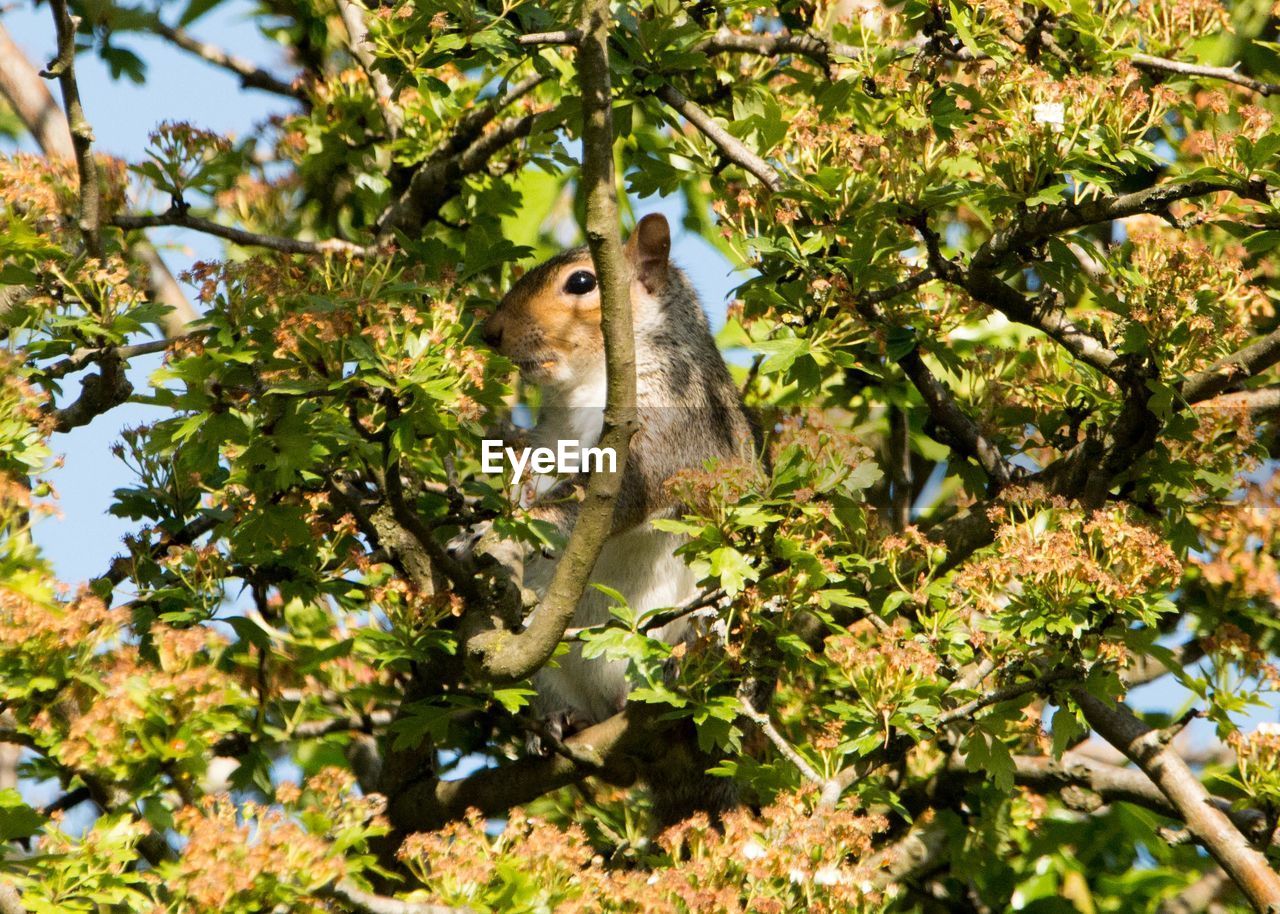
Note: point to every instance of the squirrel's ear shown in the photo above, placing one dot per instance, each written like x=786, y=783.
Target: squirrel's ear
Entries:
x=648, y=249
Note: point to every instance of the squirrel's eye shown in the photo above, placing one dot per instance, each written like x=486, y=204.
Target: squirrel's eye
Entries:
x=580, y=282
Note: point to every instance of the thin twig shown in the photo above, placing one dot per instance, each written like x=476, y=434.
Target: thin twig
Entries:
x=81, y=358
x=243, y=237
x=819, y=50
x=762, y=720
x=730, y=146
x=563, y=36
x=350, y=895
x=1228, y=74
x=251, y=75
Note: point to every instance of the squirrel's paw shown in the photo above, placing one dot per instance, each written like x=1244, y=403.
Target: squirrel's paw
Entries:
x=465, y=544
x=481, y=540
x=554, y=727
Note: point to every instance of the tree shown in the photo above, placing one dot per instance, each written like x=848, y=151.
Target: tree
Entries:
x=1012, y=310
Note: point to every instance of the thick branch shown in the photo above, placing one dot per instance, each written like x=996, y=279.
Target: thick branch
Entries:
x=63, y=67
x=1239, y=366
x=1150, y=751
x=1199, y=896
x=730, y=146
x=243, y=237
x=99, y=393
x=500, y=654
x=1104, y=783
x=1260, y=404
x=921, y=850
x=428, y=804
x=11, y=900
x=29, y=97
x=1229, y=74
x=1046, y=316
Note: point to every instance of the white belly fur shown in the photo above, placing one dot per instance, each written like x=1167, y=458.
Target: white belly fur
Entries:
x=639, y=565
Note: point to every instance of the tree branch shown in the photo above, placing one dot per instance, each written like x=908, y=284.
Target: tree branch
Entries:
x=968, y=438
x=11, y=900
x=921, y=850
x=30, y=99
x=1231, y=370
x=762, y=720
x=63, y=67
x=1104, y=783
x=819, y=50
x=129, y=222
x=350, y=895
x=1198, y=896
x=1047, y=317
x=353, y=17
x=251, y=75
x=1150, y=751
x=500, y=654
x=1229, y=74
x=438, y=179
x=1260, y=404
x=428, y=804
x=83, y=357
x=730, y=146
x=99, y=393
x=1066, y=217
x=561, y=37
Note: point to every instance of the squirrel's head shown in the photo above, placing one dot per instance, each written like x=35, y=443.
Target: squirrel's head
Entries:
x=549, y=323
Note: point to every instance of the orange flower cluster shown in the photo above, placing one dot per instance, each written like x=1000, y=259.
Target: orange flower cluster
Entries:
x=1059, y=555
x=886, y=669
x=1194, y=302
x=789, y=858
x=1231, y=644
x=1243, y=541
x=178, y=703
x=1258, y=757
x=239, y=853
x=41, y=630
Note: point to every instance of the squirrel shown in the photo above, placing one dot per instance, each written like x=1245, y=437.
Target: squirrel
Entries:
x=689, y=412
